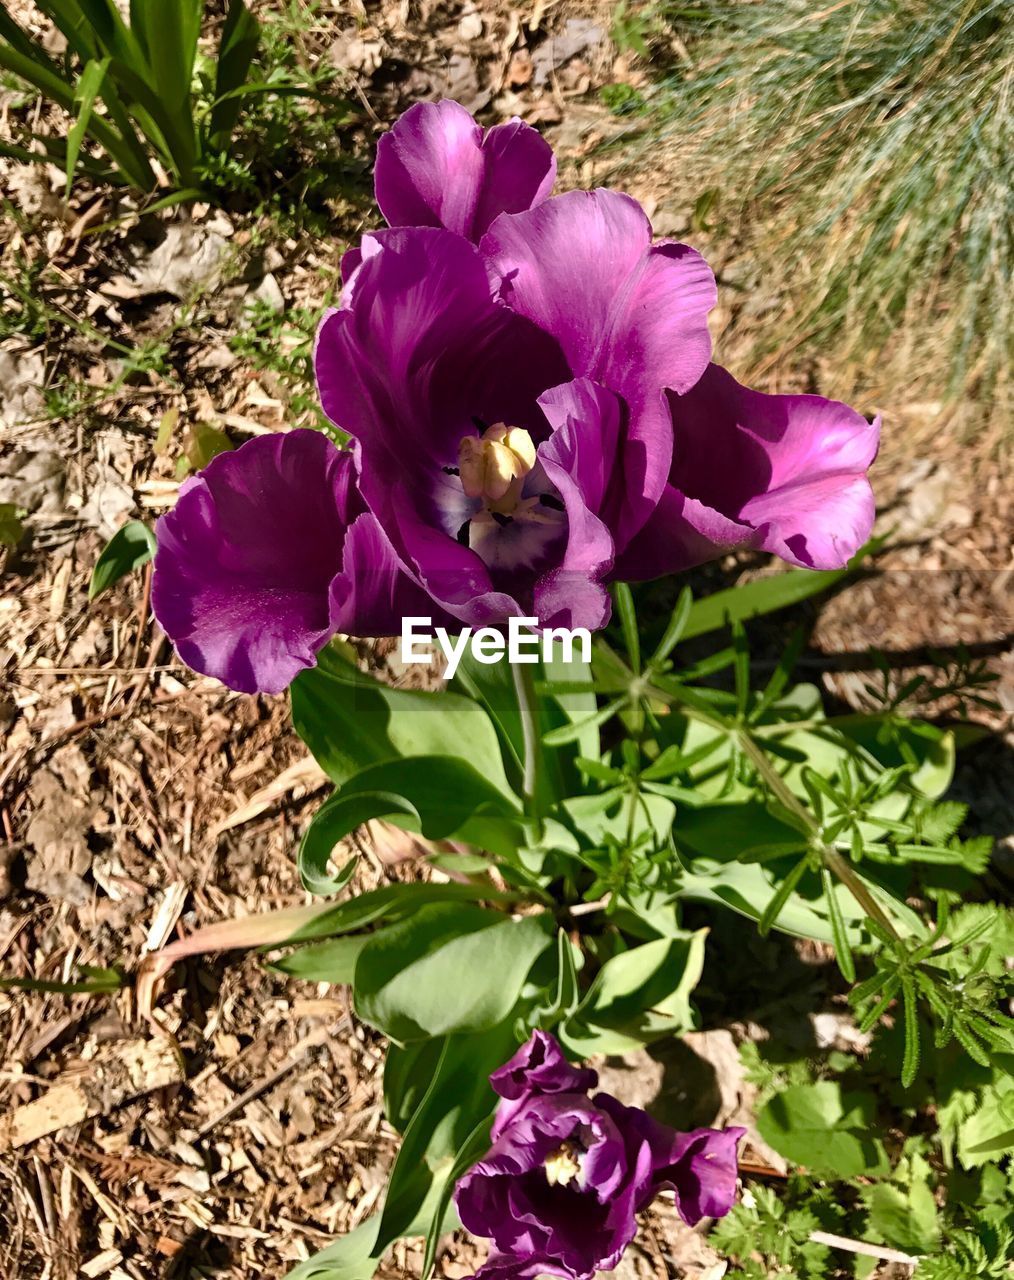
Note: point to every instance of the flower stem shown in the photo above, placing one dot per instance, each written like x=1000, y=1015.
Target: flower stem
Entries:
x=830, y=856
x=528, y=705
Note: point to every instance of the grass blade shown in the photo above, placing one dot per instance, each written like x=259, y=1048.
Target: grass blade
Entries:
x=85, y=94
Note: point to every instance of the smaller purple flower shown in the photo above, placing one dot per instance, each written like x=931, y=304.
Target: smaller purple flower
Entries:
x=559, y=1190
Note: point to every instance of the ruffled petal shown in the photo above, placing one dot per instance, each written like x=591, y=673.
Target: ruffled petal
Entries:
x=538, y=1067
x=421, y=351
x=373, y=593
x=580, y=458
x=792, y=467
x=438, y=168
x=680, y=534
x=628, y=314
x=247, y=557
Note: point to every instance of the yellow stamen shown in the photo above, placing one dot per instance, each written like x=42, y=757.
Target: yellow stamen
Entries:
x=493, y=467
x=562, y=1166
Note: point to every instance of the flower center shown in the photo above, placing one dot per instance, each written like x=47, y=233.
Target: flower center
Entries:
x=493, y=466
x=563, y=1165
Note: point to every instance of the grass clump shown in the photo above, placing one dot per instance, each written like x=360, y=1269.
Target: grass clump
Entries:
x=869, y=141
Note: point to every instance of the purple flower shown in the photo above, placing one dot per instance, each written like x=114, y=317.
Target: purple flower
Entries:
x=439, y=168
x=267, y=554
x=511, y=445
x=559, y=1190
x=534, y=414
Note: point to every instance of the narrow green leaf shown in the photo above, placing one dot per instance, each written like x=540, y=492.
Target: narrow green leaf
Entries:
x=910, y=1062
x=766, y=595
x=236, y=50
x=675, y=628
x=94, y=982
x=741, y=668
x=85, y=94
x=781, y=895
x=573, y=732
x=628, y=622
x=842, y=950
x=128, y=549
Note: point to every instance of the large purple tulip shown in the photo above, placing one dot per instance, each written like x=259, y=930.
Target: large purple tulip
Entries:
x=534, y=414
x=512, y=445
x=558, y=1192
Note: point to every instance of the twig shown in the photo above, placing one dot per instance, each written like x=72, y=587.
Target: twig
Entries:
x=879, y=1251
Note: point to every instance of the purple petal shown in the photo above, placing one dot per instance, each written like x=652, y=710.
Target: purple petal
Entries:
x=680, y=534
x=629, y=314
x=793, y=467
x=421, y=349
x=538, y=1067
x=248, y=581
x=699, y=1166
x=246, y=559
x=437, y=168
x=580, y=458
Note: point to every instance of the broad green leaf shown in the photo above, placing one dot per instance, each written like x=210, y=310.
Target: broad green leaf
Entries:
x=448, y=968
x=639, y=995
x=393, y=902
x=828, y=1133
x=128, y=549
x=350, y=721
x=353, y=1256
x=988, y=1133
x=202, y=442
x=906, y=1217
x=331, y=961
x=84, y=96
x=459, y=1097
x=438, y=796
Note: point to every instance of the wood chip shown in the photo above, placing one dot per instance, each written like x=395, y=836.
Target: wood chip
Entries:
x=101, y=1263
x=305, y=774
x=126, y=1070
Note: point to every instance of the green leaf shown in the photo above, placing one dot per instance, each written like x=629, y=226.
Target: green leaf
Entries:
x=331, y=961
x=458, y=1098
x=236, y=49
x=766, y=595
x=350, y=721
x=438, y=796
x=905, y=1217
x=675, y=628
x=624, y=601
x=128, y=549
x=448, y=968
x=84, y=96
x=829, y=1133
x=94, y=982
x=11, y=528
x=639, y=996
x=202, y=442
x=988, y=1133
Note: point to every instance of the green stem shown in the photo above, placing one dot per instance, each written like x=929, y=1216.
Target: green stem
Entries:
x=830, y=856
x=528, y=705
